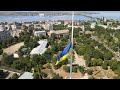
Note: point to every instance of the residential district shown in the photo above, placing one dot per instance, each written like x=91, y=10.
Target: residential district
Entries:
x=29, y=50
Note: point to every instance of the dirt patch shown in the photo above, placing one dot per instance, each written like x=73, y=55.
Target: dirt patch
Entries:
x=101, y=73
x=48, y=72
x=66, y=75
x=12, y=49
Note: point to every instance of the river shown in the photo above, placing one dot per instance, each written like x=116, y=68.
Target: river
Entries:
x=107, y=14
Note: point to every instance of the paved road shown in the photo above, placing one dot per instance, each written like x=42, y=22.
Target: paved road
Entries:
x=79, y=60
x=13, y=48
x=11, y=70
x=11, y=73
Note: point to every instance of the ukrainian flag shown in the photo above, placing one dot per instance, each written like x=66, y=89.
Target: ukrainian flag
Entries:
x=65, y=53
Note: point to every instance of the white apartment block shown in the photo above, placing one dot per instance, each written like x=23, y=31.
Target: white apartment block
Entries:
x=4, y=34
x=59, y=32
x=38, y=26
x=39, y=33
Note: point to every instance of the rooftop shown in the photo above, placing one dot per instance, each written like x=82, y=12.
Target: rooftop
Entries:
x=26, y=75
x=41, y=48
x=59, y=31
x=24, y=49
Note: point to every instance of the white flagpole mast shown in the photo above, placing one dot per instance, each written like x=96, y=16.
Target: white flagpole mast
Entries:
x=72, y=48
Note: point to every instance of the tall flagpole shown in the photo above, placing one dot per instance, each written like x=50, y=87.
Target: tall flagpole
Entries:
x=72, y=48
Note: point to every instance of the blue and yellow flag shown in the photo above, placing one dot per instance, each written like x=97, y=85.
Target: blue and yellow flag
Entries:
x=65, y=53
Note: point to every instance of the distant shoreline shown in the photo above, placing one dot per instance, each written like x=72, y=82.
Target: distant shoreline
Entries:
x=46, y=13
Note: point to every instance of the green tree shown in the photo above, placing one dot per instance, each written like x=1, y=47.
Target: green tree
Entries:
x=92, y=77
x=104, y=66
x=66, y=68
x=17, y=65
x=55, y=48
x=20, y=53
x=99, y=62
x=106, y=62
x=7, y=60
x=50, y=41
x=15, y=76
x=39, y=59
x=94, y=62
x=64, y=39
x=98, y=54
x=90, y=71
x=57, y=76
x=59, y=27
x=48, y=55
x=88, y=63
x=82, y=69
x=108, y=55
x=74, y=69
x=53, y=36
x=87, y=57
x=36, y=76
x=23, y=64
x=117, y=71
x=111, y=62
x=114, y=66
x=4, y=44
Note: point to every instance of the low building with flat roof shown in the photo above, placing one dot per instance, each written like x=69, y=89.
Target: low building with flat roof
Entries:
x=26, y=75
x=93, y=25
x=58, y=32
x=4, y=34
x=39, y=33
x=41, y=48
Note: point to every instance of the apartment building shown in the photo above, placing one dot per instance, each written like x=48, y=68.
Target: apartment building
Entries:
x=4, y=33
x=39, y=33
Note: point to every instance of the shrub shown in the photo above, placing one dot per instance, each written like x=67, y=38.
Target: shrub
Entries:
x=90, y=71
x=66, y=68
x=74, y=69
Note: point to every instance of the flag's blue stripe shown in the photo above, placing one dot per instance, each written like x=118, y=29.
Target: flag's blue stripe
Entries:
x=65, y=51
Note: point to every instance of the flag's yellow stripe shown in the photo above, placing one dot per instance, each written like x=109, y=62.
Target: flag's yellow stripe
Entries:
x=64, y=57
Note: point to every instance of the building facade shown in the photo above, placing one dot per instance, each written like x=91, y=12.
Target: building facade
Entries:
x=4, y=33
x=39, y=33
x=41, y=48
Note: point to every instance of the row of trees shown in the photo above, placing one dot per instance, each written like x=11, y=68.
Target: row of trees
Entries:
x=11, y=41
x=38, y=74
x=93, y=50
x=59, y=27
x=110, y=37
x=3, y=74
x=74, y=69
x=67, y=69
x=7, y=60
x=26, y=63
